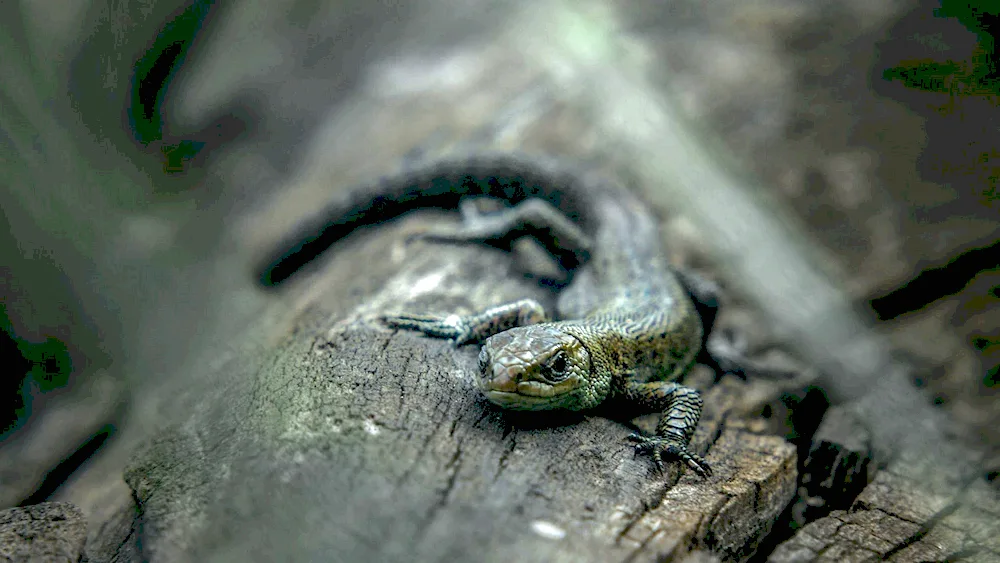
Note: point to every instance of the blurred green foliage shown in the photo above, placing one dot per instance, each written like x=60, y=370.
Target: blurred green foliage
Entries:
x=32, y=369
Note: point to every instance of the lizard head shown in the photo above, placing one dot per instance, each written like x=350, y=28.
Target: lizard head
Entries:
x=536, y=367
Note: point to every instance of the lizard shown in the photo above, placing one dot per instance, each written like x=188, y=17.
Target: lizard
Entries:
x=625, y=328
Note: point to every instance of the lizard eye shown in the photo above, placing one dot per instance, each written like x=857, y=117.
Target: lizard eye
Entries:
x=558, y=365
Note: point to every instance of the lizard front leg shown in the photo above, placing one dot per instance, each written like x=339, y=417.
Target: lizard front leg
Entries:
x=472, y=328
x=535, y=217
x=681, y=408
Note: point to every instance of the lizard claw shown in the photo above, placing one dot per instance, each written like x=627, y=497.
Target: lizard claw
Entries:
x=659, y=447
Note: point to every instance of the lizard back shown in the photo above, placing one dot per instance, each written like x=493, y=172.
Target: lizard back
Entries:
x=626, y=303
x=629, y=298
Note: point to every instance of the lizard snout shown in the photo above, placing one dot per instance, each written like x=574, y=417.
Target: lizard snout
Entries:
x=499, y=375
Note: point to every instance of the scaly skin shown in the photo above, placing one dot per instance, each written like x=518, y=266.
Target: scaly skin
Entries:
x=627, y=327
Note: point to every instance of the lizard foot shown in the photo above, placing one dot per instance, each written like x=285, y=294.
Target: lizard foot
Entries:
x=661, y=447
x=452, y=327
x=471, y=328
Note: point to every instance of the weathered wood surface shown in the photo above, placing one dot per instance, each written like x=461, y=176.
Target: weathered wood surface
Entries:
x=352, y=442
x=347, y=441
x=50, y=531
x=917, y=509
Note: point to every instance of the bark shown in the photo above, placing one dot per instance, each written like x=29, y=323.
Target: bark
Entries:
x=50, y=531
x=346, y=441
x=917, y=509
x=359, y=443
x=837, y=467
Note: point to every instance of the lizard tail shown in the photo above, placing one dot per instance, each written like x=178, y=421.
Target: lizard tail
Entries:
x=437, y=184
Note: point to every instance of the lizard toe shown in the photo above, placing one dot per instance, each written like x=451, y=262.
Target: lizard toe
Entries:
x=660, y=448
x=697, y=464
x=643, y=444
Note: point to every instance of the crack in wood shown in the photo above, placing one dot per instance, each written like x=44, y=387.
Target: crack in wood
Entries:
x=454, y=465
x=502, y=462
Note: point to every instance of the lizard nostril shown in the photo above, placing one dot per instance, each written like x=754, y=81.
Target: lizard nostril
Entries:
x=501, y=372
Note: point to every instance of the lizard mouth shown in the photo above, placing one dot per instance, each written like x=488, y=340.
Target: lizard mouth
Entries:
x=516, y=401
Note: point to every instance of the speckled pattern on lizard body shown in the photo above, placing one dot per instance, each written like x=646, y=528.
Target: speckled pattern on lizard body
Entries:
x=625, y=327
